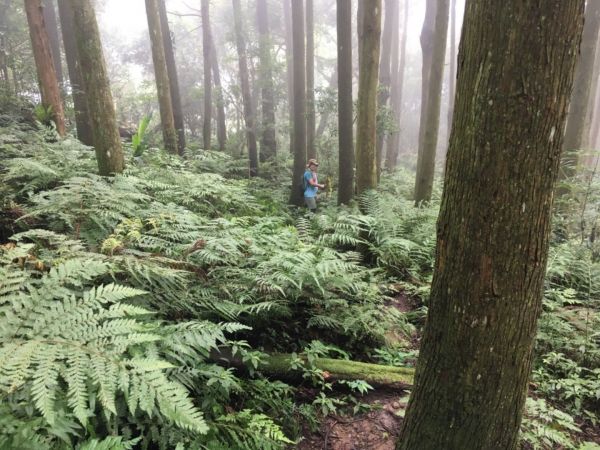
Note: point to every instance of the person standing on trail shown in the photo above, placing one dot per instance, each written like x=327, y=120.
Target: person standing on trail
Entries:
x=311, y=185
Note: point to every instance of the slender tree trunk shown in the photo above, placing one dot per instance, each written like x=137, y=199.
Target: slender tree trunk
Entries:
x=311, y=151
x=574, y=133
x=429, y=128
x=287, y=17
x=426, y=39
x=366, y=152
x=4, y=50
x=390, y=25
x=220, y=101
x=43, y=62
x=162, y=77
x=82, y=118
x=333, y=84
x=52, y=30
x=345, y=115
x=206, y=52
x=493, y=229
x=296, y=197
x=393, y=142
x=173, y=78
x=268, y=141
x=107, y=141
x=452, y=71
x=246, y=96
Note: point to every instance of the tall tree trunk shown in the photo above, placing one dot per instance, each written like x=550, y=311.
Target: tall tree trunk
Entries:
x=390, y=25
x=287, y=17
x=574, y=133
x=345, y=115
x=296, y=197
x=52, y=30
x=107, y=141
x=493, y=229
x=220, y=101
x=393, y=142
x=43, y=63
x=82, y=118
x=426, y=39
x=4, y=50
x=246, y=96
x=429, y=128
x=206, y=53
x=311, y=151
x=452, y=68
x=268, y=141
x=162, y=77
x=366, y=153
x=173, y=78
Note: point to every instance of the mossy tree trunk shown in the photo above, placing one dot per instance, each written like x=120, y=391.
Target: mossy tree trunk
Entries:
x=516, y=73
x=390, y=28
x=42, y=55
x=52, y=30
x=101, y=109
x=268, y=141
x=430, y=116
x=163, y=87
x=369, y=35
x=82, y=118
x=311, y=150
x=206, y=54
x=345, y=114
x=173, y=78
x=296, y=197
x=220, y=101
x=575, y=130
x=393, y=143
x=289, y=59
x=245, y=84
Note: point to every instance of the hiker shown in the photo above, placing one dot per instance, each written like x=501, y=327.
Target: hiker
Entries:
x=311, y=185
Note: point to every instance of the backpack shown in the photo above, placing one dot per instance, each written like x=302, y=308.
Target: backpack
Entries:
x=302, y=186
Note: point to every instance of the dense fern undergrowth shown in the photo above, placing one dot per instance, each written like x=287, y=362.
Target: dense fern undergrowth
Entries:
x=119, y=298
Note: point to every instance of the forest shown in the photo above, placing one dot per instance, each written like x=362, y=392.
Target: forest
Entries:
x=300, y=224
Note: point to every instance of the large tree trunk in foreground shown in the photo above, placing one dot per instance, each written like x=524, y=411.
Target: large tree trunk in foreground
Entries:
x=163, y=88
x=268, y=142
x=429, y=128
x=452, y=67
x=390, y=28
x=574, y=133
x=296, y=197
x=494, y=224
x=107, y=141
x=43, y=63
x=220, y=101
x=206, y=53
x=287, y=18
x=82, y=118
x=366, y=155
x=245, y=83
x=52, y=30
x=393, y=143
x=311, y=151
x=173, y=78
x=345, y=115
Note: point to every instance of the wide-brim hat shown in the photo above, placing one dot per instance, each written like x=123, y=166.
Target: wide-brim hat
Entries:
x=312, y=162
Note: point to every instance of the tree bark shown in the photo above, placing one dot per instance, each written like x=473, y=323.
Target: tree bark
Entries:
x=107, y=141
x=393, y=142
x=516, y=73
x=290, y=68
x=452, y=68
x=426, y=39
x=220, y=101
x=429, y=128
x=574, y=133
x=296, y=197
x=311, y=151
x=246, y=96
x=390, y=26
x=345, y=114
x=206, y=53
x=268, y=141
x=82, y=118
x=43, y=63
x=366, y=154
x=173, y=78
x=52, y=30
x=161, y=75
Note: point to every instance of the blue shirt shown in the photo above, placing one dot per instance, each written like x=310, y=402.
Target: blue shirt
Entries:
x=310, y=191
